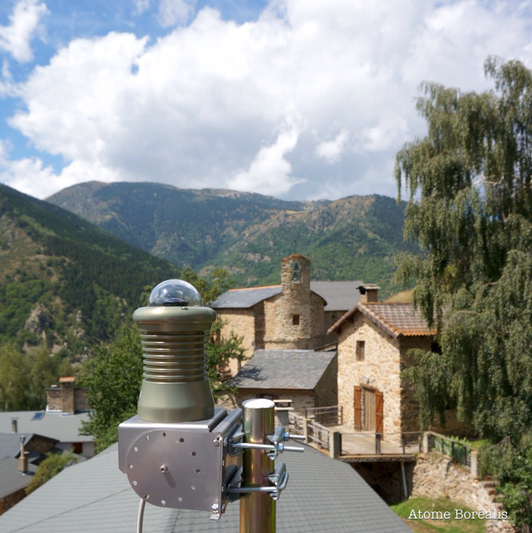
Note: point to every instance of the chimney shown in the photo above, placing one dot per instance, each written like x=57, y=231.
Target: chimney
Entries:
x=67, y=394
x=368, y=293
x=14, y=425
x=23, y=457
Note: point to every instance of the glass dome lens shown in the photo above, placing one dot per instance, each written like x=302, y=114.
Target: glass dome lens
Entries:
x=175, y=292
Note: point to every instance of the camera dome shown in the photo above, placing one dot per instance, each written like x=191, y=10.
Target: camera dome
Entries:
x=176, y=293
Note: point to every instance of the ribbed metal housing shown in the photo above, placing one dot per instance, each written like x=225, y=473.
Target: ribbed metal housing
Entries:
x=174, y=357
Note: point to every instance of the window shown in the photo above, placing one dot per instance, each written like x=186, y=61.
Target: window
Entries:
x=361, y=349
x=295, y=320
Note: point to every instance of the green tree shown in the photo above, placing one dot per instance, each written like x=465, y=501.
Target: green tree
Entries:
x=470, y=210
x=114, y=377
x=50, y=467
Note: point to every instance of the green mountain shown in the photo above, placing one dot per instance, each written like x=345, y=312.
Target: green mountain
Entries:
x=65, y=282
x=247, y=234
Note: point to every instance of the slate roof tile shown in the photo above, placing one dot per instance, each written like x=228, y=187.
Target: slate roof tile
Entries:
x=283, y=369
x=322, y=495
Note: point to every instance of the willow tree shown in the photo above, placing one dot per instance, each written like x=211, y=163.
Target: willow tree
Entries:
x=470, y=210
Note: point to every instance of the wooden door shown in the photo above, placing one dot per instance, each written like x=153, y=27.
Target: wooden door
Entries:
x=369, y=410
x=379, y=411
x=358, y=408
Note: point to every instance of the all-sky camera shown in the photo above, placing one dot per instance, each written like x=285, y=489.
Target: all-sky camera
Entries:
x=181, y=451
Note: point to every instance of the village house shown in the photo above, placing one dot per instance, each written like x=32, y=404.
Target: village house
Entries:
x=292, y=316
x=373, y=341
x=293, y=379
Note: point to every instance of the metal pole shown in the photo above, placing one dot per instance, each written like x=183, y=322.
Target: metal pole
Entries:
x=257, y=509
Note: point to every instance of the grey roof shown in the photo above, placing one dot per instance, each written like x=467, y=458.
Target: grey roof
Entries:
x=245, y=298
x=59, y=426
x=12, y=479
x=10, y=443
x=322, y=495
x=339, y=295
x=283, y=369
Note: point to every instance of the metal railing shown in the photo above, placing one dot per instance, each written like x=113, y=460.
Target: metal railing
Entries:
x=458, y=451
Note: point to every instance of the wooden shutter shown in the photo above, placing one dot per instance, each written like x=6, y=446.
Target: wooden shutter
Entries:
x=358, y=408
x=379, y=401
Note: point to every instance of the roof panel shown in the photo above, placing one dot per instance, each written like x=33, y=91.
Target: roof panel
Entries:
x=52, y=425
x=322, y=495
x=245, y=298
x=395, y=318
x=283, y=369
x=339, y=295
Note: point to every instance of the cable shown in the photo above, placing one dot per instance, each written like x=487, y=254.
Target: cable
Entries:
x=140, y=518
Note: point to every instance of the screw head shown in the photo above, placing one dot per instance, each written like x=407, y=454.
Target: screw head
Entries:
x=164, y=469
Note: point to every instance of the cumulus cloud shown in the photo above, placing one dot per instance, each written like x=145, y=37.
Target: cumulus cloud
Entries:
x=23, y=23
x=270, y=171
x=332, y=150
x=313, y=98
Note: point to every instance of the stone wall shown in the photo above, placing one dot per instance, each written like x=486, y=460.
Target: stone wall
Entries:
x=327, y=387
x=436, y=476
x=242, y=323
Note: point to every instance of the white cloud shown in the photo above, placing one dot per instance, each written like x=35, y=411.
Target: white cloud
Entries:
x=332, y=150
x=15, y=38
x=265, y=106
x=270, y=172
x=174, y=12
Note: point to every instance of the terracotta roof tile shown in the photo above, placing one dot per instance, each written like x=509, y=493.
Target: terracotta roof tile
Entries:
x=395, y=318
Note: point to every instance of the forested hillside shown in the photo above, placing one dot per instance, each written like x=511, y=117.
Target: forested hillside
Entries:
x=64, y=282
x=247, y=234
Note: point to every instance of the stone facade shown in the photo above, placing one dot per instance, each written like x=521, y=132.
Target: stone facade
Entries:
x=380, y=370
x=437, y=476
x=242, y=323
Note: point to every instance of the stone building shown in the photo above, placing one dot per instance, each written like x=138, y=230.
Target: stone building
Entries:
x=373, y=341
x=293, y=379
x=292, y=316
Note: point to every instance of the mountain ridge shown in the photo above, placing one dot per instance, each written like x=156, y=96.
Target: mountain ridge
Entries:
x=247, y=233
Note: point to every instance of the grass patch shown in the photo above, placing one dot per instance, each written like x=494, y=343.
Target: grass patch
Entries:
x=451, y=525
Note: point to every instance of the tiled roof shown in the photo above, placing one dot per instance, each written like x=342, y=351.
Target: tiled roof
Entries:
x=322, y=495
x=12, y=479
x=283, y=369
x=59, y=426
x=395, y=318
x=339, y=295
x=245, y=298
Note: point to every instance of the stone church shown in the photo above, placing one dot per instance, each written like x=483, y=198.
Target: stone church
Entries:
x=293, y=315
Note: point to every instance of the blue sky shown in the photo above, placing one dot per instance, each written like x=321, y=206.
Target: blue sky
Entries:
x=299, y=99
